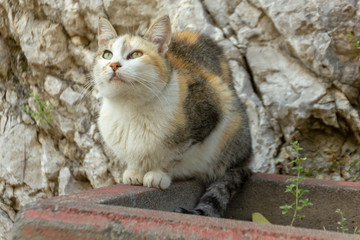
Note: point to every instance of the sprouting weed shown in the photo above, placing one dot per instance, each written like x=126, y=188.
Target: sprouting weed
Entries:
x=42, y=113
x=293, y=187
x=342, y=221
x=353, y=169
x=355, y=41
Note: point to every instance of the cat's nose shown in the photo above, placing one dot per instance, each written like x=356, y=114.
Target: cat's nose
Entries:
x=115, y=66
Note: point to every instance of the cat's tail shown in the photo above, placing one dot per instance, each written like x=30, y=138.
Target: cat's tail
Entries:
x=218, y=194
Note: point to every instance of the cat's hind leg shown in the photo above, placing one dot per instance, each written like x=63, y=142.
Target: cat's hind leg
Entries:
x=218, y=194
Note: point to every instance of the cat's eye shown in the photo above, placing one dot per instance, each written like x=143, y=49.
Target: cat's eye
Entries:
x=135, y=54
x=107, y=55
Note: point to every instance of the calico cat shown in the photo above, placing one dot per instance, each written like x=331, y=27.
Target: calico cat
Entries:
x=170, y=111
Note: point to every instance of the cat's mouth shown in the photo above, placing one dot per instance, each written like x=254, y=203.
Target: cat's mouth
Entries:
x=115, y=78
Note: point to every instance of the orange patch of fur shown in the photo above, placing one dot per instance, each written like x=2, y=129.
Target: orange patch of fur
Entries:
x=216, y=82
x=179, y=63
x=225, y=95
x=179, y=114
x=230, y=130
x=225, y=72
x=159, y=64
x=188, y=37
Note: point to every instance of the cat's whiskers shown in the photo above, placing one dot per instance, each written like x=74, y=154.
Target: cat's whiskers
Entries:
x=153, y=89
x=147, y=84
x=150, y=84
x=86, y=90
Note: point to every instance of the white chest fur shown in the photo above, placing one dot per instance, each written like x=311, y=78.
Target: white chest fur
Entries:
x=137, y=134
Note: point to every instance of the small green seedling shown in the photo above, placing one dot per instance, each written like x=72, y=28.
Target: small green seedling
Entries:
x=294, y=188
x=353, y=169
x=355, y=42
x=342, y=221
x=42, y=113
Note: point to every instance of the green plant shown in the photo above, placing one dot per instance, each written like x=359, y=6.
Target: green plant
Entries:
x=294, y=187
x=355, y=42
x=353, y=169
x=341, y=223
x=42, y=113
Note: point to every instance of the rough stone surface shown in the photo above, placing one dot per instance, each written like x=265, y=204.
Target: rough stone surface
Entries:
x=95, y=165
x=5, y=225
x=4, y=58
x=53, y=85
x=68, y=184
x=51, y=159
x=70, y=97
x=20, y=157
x=293, y=65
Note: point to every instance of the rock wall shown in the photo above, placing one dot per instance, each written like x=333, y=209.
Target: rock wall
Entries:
x=292, y=62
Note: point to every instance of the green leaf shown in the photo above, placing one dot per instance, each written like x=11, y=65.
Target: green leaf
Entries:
x=293, y=179
x=259, y=218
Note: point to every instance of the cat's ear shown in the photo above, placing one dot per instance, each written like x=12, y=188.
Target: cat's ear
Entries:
x=160, y=34
x=105, y=31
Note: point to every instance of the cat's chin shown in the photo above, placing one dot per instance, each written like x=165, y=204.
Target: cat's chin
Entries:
x=117, y=79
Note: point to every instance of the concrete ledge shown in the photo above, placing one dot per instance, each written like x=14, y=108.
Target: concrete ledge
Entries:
x=264, y=193
x=110, y=213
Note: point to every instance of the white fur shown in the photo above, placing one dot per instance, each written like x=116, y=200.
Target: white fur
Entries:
x=201, y=158
x=135, y=122
x=135, y=113
x=134, y=72
x=105, y=31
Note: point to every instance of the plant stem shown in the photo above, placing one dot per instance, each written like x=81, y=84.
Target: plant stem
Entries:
x=296, y=193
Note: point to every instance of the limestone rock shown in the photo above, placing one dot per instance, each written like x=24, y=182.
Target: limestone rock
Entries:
x=4, y=58
x=42, y=42
x=83, y=141
x=83, y=57
x=70, y=97
x=53, y=85
x=26, y=194
x=11, y=97
x=51, y=160
x=76, y=76
x=82, y=125
x=180, y=11
x=130, y=13
x=23, y=163
x=95, y=165
x=65, y=125
x=68, y=149
x=5, y=225
x=274, y=73
x=68, y=184
x=265, y=134
x=8, y=210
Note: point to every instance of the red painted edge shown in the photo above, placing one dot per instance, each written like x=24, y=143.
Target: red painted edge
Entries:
x=142, y=221
x=82, y=209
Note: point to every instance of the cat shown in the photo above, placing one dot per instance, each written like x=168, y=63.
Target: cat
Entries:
x=170, y=111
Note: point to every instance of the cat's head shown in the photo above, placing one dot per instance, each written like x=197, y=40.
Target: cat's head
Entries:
x=129, y=66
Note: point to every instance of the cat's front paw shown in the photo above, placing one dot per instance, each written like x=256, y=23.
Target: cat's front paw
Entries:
x=132, y=177
x=157, y=179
